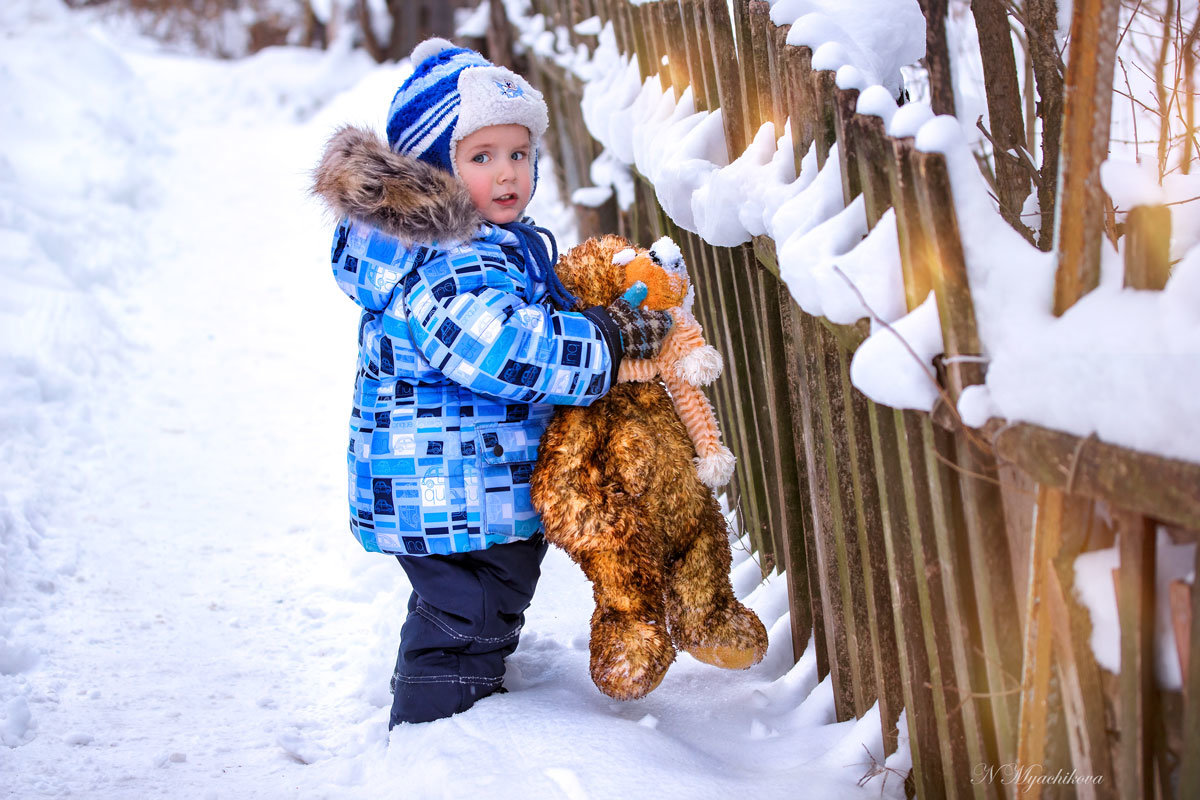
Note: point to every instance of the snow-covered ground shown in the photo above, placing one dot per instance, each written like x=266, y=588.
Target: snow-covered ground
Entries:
x=183, y=612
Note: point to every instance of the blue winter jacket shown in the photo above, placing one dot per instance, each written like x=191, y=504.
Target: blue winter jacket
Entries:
x=461, y=361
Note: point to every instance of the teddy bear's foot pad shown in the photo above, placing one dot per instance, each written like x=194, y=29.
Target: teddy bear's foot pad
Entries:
x=726, y=657
x=737, y=642
x=629, y=661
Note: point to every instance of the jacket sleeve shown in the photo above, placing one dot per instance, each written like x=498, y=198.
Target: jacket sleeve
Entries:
x=468, y=319
x=367, y=263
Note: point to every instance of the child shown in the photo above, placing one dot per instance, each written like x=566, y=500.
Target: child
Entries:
x=462, y=357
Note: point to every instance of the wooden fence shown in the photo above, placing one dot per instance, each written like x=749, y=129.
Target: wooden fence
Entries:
x=933, y=564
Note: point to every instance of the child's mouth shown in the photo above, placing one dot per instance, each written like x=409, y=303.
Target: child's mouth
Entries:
x=506, y=199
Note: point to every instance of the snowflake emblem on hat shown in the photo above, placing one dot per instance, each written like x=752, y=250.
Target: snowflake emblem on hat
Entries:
x=509, y=89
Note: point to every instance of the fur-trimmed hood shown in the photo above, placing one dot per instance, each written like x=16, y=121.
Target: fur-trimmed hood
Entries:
x=359, y=176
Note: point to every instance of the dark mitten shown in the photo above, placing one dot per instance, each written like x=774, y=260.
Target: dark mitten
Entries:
x=642, y=330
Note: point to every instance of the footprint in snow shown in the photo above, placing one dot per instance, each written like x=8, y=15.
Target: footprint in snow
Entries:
x=301, y=749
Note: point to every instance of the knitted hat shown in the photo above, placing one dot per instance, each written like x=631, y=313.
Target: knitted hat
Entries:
x=452, y=93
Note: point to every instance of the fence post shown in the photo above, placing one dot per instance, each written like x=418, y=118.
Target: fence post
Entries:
x=826, y=518
x=844, y=101
x=1189, y=770
x=721, y=44
x=1135, y=608
x=824, y=90
x=801, y=101
x=697, y=56
x=765, y=69
x=747, y=55
x=1087, y=117
x=1148, y=247
x=1037, y=660
x=871, y=148
x=800, y=558
x=676, y=48
x=874, y=152
x=916, y=257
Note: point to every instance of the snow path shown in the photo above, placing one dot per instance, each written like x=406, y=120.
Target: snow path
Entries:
x=221, y=635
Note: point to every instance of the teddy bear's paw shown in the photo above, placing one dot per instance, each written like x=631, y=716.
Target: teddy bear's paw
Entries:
x=737, y=642
x=715, y=469
x=700, y=367
x=630, y=658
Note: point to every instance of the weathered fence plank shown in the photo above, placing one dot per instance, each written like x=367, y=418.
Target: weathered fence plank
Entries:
x=1086, y=119
x=1135, y=610
x=1079, y=679
x=1148, y=247
x=1189, y=773
x=971, y=691
x=844, y=101
x=873, y=561
x=848, y=518
x=827, y=521
x=801, y=102
x=719, y=35
x=781, y=427
x=1038, y=639
x=747, y=55
x=745, y=359
x=823, y=91
x=917, y=688
x=796, y=337
x=1162, y=487
x=798, y=557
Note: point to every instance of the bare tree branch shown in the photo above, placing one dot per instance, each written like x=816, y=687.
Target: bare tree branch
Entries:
x=1137, y=148
x=1022, y=155
x=1004, y=106
x=1041, y=17
x=1160, y=65
x=1189, y=68
x=370, y=40
x=937, y=56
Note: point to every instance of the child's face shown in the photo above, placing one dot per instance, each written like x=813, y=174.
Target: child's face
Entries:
x=494, y=164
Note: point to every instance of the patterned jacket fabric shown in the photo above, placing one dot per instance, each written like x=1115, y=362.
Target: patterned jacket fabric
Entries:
x=461, y=361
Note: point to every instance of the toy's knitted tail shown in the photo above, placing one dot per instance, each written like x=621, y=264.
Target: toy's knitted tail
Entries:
x=714, y=462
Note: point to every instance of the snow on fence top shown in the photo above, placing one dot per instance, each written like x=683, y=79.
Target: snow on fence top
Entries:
x=876, y=37
x=1121, y=364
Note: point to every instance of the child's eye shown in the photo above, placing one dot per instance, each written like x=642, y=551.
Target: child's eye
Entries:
x=481, y=158
x=519, y=156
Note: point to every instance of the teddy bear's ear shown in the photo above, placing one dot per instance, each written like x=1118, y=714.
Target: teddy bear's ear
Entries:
x=588, y=272
x=667, y=254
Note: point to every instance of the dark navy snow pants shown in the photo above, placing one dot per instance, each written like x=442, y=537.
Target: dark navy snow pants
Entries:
x=464, y=617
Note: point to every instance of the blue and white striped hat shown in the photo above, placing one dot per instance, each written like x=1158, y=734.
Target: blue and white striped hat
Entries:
x=452, y=93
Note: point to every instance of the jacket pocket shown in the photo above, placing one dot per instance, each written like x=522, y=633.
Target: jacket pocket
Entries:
x=507, y=452
x=506, y=443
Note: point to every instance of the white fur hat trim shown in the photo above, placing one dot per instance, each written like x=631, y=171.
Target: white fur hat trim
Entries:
x=497, y=96
x=428, y=49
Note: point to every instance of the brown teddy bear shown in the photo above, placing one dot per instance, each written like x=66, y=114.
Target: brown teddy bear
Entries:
x=618, y=490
